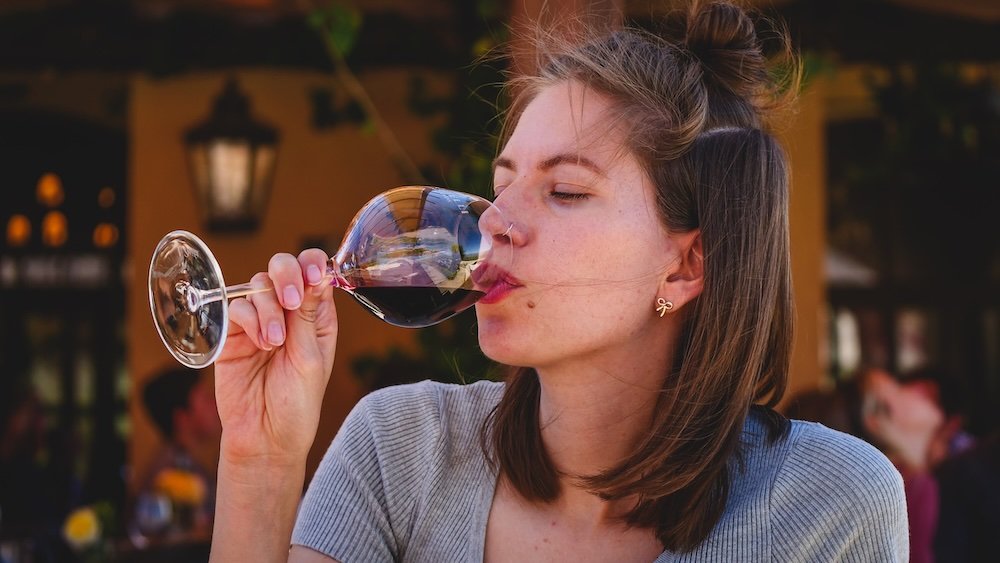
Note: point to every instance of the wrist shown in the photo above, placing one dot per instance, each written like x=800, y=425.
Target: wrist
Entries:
x=270, y=487
x=261, y=468
x=236, y=454
x=255, y=508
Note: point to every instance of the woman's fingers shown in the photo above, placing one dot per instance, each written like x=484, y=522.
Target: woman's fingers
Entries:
x=270, y=316
x=313, y=265
x=286, y=275
x=244, y=316
x=315, y=321
x=293, y=283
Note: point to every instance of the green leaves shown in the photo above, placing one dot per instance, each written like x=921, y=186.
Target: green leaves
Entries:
x=340, y=24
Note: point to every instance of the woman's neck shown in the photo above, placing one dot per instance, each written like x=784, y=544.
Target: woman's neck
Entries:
x=588, y=428
x=593, y=413
x=590, y=420
x=594, y=409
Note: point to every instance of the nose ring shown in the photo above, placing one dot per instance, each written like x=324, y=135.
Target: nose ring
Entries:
x=507, y=232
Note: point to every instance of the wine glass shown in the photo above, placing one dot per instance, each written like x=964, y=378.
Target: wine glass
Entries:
x=410, y=256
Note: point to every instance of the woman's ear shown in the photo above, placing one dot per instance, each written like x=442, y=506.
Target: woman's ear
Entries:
x=685, y=283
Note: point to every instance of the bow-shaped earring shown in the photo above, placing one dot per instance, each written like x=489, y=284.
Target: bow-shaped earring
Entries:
x=662, y=306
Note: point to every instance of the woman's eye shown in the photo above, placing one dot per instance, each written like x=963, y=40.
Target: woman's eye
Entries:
x=568, y=196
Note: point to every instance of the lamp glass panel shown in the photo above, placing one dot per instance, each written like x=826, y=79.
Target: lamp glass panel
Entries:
x=200, y=171
x=263, y=165
x=229, y=164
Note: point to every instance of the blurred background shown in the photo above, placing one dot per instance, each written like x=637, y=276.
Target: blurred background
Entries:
x=263, y=125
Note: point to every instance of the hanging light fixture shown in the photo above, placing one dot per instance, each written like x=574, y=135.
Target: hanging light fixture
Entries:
x=232, y=160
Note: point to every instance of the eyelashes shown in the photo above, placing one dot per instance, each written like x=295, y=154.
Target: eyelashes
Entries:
x=568, y=196
x=554, y=192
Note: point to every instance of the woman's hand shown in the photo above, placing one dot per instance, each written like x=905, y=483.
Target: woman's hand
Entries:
x=272, y=374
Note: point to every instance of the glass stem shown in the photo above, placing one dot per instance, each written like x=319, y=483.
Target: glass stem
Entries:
x=196, y=298
x=231, y=292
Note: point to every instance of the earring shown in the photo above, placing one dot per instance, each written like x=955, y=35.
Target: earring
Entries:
x=662, y=306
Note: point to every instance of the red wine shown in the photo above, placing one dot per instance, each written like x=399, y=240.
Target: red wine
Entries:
x=415, y=307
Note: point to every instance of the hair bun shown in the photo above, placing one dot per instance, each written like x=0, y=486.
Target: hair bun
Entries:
x=722, y=37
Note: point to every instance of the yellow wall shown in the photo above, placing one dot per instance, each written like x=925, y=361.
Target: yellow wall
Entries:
x=322, y=178
x=805, y=140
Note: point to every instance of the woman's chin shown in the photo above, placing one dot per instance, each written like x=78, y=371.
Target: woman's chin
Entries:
x=497, y=344
x=497, y=353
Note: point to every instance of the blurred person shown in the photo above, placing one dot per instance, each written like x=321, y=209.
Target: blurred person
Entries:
x=966, y=469
x=904, y=417
x=181, y=403
x=952, y=438
x=648, y=325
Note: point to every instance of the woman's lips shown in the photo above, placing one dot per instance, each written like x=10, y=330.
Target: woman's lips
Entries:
x=498, y=291
x=495, y=282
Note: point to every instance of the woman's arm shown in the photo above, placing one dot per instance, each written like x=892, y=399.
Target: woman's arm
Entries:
x=299, y=554
x=269, y=385
x=255, y=511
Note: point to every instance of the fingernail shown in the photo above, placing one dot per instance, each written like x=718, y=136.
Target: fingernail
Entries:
x=292, y=298
x=274, y=333
x=313, y=274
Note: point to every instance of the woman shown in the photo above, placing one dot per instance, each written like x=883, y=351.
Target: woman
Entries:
x=648, y=308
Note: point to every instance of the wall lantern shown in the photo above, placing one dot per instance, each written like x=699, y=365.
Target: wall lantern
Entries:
x=232, y=161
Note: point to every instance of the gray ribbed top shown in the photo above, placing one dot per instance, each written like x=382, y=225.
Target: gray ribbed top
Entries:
x=405, y=480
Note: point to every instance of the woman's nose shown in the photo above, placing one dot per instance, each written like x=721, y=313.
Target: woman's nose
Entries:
x=498, y=225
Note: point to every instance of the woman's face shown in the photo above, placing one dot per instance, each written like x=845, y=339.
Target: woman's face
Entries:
x=589, y=252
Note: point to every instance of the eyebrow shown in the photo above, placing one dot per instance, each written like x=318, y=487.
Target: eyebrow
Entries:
x=553, y=161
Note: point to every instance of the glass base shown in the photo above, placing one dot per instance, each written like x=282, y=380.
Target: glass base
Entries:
x=193, y=335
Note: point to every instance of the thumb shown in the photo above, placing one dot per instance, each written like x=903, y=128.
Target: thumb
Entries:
x=316, y=311
x=312, y=327
x=316, y=291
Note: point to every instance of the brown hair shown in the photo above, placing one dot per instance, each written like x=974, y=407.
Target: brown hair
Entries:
x=693, y=106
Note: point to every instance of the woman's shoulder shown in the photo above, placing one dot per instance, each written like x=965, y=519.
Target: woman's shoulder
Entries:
x=807, y=458
x=434, y=392
x=430, y=400
x=818, y=456
x=382, y=478
x=428, y=413
x=395, y=436
x=834, y=494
